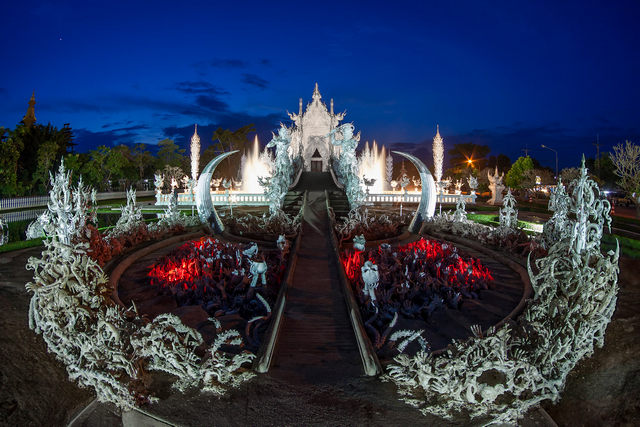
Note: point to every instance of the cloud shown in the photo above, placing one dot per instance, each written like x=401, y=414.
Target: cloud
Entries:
x=211, y=103
x=264, y=125
x=199, y=87
x=254, y=80
x=227, y=63
x=88, y=140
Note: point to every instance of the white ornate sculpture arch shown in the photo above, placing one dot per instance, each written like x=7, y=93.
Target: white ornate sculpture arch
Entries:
x=427, y=206
x=206, y=210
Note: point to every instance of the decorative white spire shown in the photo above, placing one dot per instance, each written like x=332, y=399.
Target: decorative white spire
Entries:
x=438, y=154
x=195, y=154
x=316, y=93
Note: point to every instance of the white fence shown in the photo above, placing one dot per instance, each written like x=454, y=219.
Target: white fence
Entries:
x=259, y=199
x=218, y=199
x=415, y=198
x=21, y=215
x=38, y=201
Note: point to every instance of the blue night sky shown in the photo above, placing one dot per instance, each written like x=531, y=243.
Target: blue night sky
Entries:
x=507, y=74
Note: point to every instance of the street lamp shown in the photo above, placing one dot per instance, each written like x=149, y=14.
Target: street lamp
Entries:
x=549, y=148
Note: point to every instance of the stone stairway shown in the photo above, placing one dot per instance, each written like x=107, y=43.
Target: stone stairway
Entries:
x=316, y=342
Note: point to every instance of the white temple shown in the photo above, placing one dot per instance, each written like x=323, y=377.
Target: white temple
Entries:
x=309, y=135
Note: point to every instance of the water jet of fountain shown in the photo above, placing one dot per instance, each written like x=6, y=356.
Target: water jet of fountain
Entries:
x=256, y=165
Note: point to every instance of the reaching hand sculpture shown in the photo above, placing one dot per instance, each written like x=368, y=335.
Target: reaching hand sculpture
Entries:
x=347, y=162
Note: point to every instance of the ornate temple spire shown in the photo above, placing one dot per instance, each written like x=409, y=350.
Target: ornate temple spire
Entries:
x=195, y=154
x=332, y=106
x=30, y=118
x=438, y=154
x=300, y=112
x=316, y=93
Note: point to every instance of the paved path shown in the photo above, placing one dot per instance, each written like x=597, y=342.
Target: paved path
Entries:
x=316, y=342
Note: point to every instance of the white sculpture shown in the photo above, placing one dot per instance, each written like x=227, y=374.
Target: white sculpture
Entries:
x=195, y=154
x=158, y=182
x=460, y=215
x=459, y=187
x=473, y=184
x=359, y=242
x=389, y=169
x=4, y=232
x=370, y=277
x=347, y=164
x=131, y=215
x=575, y=290
x=508, y=212
x=102, y=344
x=277, y=185
x=258, y=269
x=438, y=155
x=496, y=186
x=556, y=228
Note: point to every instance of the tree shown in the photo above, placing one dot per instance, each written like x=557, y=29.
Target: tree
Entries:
x=502, y=161
x=627, y=163
x=516, y=174
x=227, y=140
x=142, y=160
x=460, y=155
x=170, y=153
x=47, y=155
x=9, y=154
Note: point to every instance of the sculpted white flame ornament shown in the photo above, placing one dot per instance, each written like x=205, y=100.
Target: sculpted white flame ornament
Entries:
x=498, y=375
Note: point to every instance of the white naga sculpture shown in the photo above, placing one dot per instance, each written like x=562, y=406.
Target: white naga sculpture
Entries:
x=347, y=163
x=497, y=375
x=496, y=186
x=508, y=212
x=102, y=344
x=277, y=185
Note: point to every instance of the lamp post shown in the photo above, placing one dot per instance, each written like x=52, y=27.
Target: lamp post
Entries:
x=549, y=148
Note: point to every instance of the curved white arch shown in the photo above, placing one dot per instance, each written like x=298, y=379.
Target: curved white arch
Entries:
x=206, y=210
x=427, y=206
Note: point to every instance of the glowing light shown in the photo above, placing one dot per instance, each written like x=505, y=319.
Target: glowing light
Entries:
x=257, y=165
x=437, y=259
x=372, y=165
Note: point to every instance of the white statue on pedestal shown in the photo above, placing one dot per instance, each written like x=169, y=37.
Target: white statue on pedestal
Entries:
x=496, y=186
x=473, y=184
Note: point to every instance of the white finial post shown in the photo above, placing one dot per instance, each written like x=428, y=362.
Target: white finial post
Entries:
x=195, y=154
x=438, y=154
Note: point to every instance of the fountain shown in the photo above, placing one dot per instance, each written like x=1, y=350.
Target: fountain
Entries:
x=256, y=165
x=372, y=165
